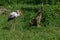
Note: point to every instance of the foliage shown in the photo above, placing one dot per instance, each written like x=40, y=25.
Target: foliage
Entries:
x=50, y=24
x=28, y=1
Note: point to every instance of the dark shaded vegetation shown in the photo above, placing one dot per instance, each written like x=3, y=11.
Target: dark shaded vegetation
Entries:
x=29, y=2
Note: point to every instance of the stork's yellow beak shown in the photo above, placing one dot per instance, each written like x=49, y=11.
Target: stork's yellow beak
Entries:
x=21, y=13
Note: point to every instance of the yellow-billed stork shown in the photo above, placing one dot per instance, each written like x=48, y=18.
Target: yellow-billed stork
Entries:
x=13, y=16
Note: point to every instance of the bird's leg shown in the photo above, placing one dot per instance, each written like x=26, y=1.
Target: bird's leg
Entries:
x=14, y=24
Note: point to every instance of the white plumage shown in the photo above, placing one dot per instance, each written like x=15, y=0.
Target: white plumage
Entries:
x=14, y=15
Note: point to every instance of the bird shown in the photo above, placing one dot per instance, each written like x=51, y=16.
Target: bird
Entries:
x=13, y=16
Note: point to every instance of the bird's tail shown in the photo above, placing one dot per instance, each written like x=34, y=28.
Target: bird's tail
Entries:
x=8, y=19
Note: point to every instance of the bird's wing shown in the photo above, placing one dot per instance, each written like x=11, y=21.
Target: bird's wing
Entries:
x=13, y=14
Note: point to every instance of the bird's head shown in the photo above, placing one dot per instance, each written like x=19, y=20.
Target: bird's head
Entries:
x=19, y=12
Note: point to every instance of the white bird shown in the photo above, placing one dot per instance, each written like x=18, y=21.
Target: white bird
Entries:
x=14, y=15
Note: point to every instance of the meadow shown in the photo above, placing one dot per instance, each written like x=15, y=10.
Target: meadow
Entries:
x=50, y=23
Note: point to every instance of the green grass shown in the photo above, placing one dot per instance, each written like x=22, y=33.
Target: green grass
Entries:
x=50, y=29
